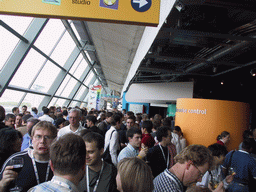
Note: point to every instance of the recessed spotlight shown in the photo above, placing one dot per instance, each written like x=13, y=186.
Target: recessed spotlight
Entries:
x=222, y=82
x=253, y=72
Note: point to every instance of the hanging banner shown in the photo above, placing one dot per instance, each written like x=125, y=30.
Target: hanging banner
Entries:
x=94, y=97
x=140, y=12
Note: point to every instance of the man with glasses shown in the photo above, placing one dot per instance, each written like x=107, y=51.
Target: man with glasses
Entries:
x=191, y=165
x=75, y=116
x=68, y=164
x=36, y=167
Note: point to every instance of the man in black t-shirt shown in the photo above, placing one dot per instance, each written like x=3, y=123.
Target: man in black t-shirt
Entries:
x=100, y=174
x=36, y=168
x=159, y=155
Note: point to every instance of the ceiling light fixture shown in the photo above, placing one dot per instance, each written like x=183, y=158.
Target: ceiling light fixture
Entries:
x=222, y=82
x=253, y=72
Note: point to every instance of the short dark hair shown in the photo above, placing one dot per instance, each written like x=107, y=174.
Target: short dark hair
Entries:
x=109, y=114
x=91, y=118
x=248, y=143
x=222, y=135
x=167, y=122
x=116, y=118
x=148, y=125
x=2, y=113
x=94, y=137
x=26, y=117
x=177, y=128
x=59, y=121
x=132, y=117
x=130, y=113
x=8, y=116
x=65, y=112
x=218, y=150
x=84, y=132
x=162, y=132
x=156, y=124
x=20, y=114
x=34, y=109
x=46, y=110
x=67, y=154
x=247, y=134
x=8, y=137
x=14, y=109
x=132, y=131
x=24, y=106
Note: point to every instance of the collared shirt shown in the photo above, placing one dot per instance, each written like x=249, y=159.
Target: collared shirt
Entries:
x=67, y=129
x=127, y=152
x=167, y=182
x=113, y=143
x=57, y=184
x=25, y=142
x=46, y=118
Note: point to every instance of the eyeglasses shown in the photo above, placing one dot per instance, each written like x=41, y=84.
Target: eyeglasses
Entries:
x=46, y=137
x=201, y=174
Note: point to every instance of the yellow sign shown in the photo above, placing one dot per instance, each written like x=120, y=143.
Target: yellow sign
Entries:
x=140, y=12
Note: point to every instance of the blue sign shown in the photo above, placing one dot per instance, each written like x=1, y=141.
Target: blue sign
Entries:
x=141, y=5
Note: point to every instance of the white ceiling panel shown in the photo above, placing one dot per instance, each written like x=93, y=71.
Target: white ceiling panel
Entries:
x=116, y=45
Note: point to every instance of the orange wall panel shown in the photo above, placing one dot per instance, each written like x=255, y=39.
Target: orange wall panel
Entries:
x=202, y=120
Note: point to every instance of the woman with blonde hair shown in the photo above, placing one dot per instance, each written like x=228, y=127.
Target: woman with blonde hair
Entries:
x=134, y=175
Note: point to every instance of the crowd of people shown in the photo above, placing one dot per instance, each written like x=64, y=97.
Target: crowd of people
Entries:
x=72, y=149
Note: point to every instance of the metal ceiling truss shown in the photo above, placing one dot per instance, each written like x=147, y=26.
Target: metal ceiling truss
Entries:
x=183, y=51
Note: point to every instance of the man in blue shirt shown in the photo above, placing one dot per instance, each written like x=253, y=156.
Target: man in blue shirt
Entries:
x=244, y=166
x=27, y=141
x=132, y=149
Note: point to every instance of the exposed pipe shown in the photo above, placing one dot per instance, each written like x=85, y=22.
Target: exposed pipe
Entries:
x=217, y=55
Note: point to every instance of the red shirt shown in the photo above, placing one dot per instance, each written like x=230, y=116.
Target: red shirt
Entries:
x=221, y=143
x=148, y=140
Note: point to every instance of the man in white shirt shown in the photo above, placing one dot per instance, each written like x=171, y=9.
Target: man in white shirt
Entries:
x=112, y=138
x=75, y=116
x=46, y=116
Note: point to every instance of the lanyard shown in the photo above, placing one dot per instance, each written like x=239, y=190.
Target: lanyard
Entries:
x=168, y=160
x=61, y=184
x=36, y=172
x=98, y=180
